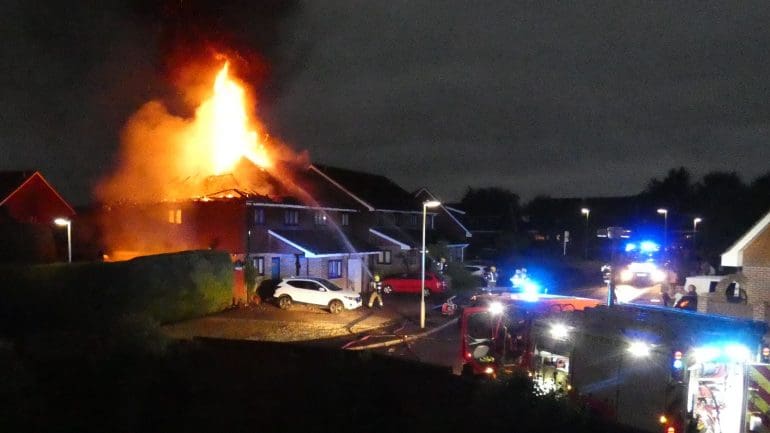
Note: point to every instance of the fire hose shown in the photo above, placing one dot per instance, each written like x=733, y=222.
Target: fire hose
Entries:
x=403, y=339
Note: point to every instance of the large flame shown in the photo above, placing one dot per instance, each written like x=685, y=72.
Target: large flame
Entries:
x=225, y=127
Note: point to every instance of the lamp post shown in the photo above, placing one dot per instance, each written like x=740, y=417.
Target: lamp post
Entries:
x=425, y=206
x=695, y=222
x=65, y=222
x=585, y=211
x=637, y=350
x=664, y=212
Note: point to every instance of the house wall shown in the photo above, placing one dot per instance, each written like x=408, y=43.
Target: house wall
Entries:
x=37, y=203
x=312, y=267
x=757, y=253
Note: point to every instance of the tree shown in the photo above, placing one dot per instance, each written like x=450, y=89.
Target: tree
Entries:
x=675, y=190
x=493, y=205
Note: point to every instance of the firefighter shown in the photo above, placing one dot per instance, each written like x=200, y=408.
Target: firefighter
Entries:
x=491, y=277
x=688, y=301
x=376, y=286
x=441, y=266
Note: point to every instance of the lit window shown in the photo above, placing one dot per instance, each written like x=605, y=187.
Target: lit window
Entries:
x=335, y=268
x=259, y=264
x=383, y=257
x=175, y=216
x=291, y=217
x=320, y=218
x=259, y=216
x=345, y=219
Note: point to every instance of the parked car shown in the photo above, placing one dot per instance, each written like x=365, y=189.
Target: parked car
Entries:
x=411, y=282
x=477, y=270
x=316, y=291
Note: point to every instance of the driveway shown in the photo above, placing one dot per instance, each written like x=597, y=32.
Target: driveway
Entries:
x=267, y=322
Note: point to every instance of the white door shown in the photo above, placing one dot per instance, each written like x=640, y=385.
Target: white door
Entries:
x=355, y=266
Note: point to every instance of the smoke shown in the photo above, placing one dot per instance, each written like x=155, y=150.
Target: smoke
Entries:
x=167, y=159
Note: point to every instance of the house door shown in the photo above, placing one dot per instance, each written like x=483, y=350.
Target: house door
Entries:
x=275, y=268
x=354, y=274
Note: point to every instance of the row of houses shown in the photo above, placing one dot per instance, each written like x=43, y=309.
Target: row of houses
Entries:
x=317, y=220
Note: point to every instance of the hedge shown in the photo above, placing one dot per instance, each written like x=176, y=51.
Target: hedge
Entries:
x=164, y=288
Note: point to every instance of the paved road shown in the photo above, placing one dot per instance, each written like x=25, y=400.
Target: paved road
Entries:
x=442, y=348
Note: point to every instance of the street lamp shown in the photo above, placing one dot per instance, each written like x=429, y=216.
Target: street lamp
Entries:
x=425, y=206
x=585, y=211
x=664, y=212
x=695, y=222
x=65, y=222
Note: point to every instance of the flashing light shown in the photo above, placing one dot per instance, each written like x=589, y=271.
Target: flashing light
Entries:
x=496, y=308
x=678, y=364
x=732, y=351
x=559, y=331
x=530, y=290
x=639, y=349
x=706, y=354
x=737, y=352
x=766, y=351
x=678, y=355
x=657, y=276
x=649, y=247
x=626, y=275
x=489, y=370
x=663, y=419
x=630, y=247
x=671, y=430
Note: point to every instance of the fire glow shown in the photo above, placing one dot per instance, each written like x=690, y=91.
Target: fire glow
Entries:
x=226, y=127
x=168, y=157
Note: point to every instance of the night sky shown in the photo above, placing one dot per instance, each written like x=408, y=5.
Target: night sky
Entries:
x=573, y=99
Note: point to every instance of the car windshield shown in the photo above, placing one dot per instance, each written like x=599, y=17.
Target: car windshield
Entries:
x=329, y=285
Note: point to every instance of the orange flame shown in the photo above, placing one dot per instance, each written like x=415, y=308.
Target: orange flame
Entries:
x=225, y=127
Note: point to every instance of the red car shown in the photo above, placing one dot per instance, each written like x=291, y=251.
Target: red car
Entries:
x=410, y=283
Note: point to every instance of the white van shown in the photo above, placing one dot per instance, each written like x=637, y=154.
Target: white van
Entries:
x=704, y=284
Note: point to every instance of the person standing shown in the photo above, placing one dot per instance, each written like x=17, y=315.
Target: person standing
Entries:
x=491, y=277
x=376, y=287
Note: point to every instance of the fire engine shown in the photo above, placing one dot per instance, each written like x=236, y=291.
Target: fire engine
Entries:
x=651, y=368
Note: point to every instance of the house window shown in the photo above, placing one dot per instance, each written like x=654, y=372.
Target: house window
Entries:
x=259, y=265
x=413, y=221
x=431, y=220
x=383, y=257
x=175, y=216
x=335, y=268
x=291, y=217
x=259, y=216
x=345, y=219
x=320, y=218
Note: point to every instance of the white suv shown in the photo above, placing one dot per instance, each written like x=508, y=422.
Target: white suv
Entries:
x=316, y=291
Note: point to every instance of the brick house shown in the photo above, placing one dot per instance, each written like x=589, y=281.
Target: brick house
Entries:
x=751, y=256
x=303, y=228
x=391, y=219
x=28, y=206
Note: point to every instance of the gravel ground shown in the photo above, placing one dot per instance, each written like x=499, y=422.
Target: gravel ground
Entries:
x=265, y=322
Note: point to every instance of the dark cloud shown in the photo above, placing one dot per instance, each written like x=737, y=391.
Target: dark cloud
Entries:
x=584, y=98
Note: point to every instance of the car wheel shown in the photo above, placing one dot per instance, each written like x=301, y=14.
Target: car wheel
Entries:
x=335, y=306
x=284, y=302
x=387, y=290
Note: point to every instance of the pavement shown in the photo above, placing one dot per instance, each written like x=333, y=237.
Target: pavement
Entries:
x=398, y=319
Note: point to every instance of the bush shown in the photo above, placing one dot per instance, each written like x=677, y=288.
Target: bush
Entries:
x=163, y=288
x=460, y=279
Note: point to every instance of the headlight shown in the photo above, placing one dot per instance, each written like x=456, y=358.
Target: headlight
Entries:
x=657, y=276
x=626, y=275
x=489, y=370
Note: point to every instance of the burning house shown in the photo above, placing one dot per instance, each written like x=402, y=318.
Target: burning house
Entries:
x=218, y=181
